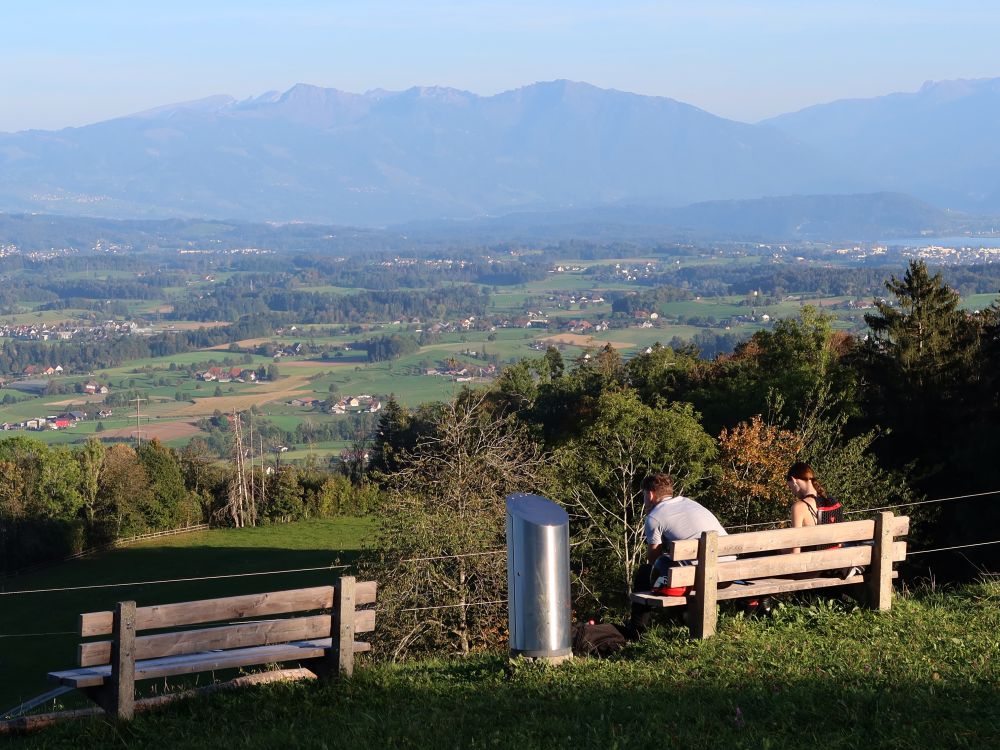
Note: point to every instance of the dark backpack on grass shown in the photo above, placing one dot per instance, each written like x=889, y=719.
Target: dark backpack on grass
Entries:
x=597, y=639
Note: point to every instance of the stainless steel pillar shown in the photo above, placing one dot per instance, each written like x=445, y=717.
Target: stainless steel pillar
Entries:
x=538, y=578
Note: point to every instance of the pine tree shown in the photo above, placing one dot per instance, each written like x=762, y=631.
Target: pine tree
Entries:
x=924, y=337
x=919, y=366
x=390, y=435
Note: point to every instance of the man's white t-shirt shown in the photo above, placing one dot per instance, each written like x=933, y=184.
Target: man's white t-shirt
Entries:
x=679, y=518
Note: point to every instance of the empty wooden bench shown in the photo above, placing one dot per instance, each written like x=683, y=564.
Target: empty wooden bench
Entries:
x=870, y=544
x=324, y=642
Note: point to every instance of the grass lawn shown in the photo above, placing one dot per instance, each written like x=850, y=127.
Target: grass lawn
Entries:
x=978, y=301
x=813, y=676
x=216, y=552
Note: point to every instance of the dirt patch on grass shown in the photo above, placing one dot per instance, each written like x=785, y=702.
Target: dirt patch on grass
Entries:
x=321, y=362
x=83, y=398
x=578, y=339
x=245, y=343
x=281, y=390
x=194, y=325
x=162, y=431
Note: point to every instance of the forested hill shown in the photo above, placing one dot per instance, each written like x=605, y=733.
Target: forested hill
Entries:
x=784, y=218
x=775, y=219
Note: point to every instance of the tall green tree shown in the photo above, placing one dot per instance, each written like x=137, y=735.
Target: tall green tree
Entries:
x=601, y=470
x=920, y=367
x=169, y=502
x=925, y=343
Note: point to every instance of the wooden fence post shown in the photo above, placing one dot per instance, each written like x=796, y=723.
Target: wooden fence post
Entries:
x=341, y=653
x=704, y=614
x=879, y=578
x=122, y=692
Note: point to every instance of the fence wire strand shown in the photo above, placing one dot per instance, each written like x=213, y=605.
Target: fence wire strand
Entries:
x=784, y=521
x=778, y=523
x=171, y=580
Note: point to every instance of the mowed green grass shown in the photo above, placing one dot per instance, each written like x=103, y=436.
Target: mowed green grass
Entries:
x=37, y=631
x=978, y=301
x=817, y=675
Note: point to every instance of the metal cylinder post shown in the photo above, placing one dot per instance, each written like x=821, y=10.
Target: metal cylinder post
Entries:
x=538, y=591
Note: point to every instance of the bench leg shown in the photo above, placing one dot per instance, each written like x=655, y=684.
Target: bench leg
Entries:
x=339, y=660
x=117, y=695
x=703, y=611
x=879, y=575
x=122, y=687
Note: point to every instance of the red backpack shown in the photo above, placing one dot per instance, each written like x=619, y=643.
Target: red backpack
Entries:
x=828, y=510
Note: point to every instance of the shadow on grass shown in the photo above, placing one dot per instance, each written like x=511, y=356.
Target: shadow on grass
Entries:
x=38, y=630
x=481, y=703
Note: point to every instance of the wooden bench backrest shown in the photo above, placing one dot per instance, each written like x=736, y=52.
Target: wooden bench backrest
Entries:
x=776, y=539
x=238, y=635
x=792, y=563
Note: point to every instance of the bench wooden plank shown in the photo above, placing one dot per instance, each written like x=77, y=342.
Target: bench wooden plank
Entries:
x=776, y=539
x=226, y=608
x=191, y=663
x=241, y=635
x=785, y=565
x=760, y=587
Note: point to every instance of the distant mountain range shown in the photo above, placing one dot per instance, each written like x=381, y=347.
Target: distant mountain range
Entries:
x=381, y=158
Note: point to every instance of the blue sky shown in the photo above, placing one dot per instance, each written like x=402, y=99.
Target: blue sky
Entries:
x=66, y=63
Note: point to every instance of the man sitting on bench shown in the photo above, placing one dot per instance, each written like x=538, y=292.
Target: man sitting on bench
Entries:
x=669, y=518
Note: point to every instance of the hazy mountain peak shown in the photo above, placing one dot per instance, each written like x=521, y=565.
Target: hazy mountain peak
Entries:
x=208, y=104
x=442, y=94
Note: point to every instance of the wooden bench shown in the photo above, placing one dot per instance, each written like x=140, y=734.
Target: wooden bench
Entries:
x=324, y=643
x=870, y=544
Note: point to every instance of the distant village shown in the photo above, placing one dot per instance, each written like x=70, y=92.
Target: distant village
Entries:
x=63, y=331
x=345, y=405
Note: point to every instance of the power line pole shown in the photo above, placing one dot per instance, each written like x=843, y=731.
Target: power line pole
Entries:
x=138, y=432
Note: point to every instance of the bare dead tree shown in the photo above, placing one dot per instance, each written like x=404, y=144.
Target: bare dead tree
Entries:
x=238, y=505
x=440, y=550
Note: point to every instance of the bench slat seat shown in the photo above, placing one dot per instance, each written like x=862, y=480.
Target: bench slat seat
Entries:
x=169, y=666
x=758, y=587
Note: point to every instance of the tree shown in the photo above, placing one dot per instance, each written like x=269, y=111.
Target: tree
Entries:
x=441, y=525
x=601, y=470
x=284, y=496
x=920, y=366
x=169, y=501
x=390, y=437
x=554, y=363
x=754, y=457
x=925, y=339
x=123, y=490
x=90, y=457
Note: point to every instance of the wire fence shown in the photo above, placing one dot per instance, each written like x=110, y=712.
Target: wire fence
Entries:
x=783, y=521
x=454, y=556
x=172, y=580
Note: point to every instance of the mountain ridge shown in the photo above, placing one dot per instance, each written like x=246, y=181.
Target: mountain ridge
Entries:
x=385, y=157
